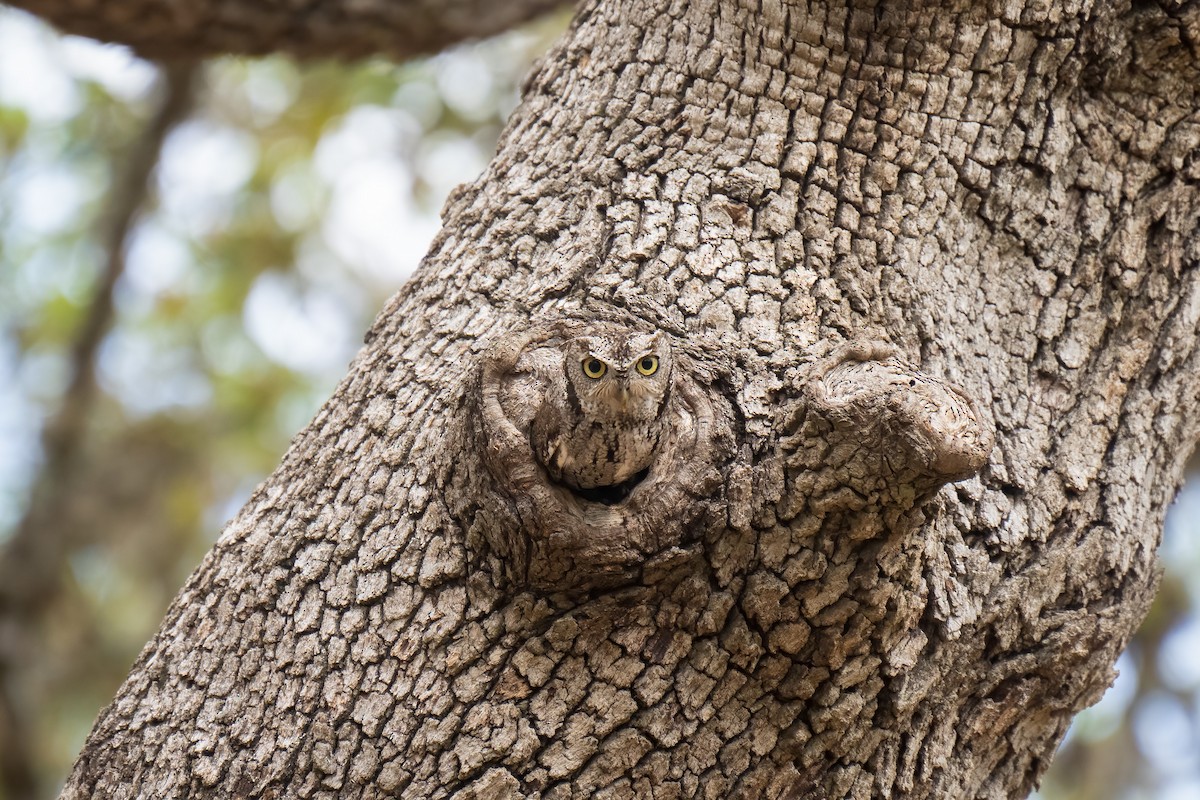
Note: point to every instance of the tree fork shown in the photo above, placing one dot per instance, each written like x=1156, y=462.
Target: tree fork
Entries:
x=1006, y=195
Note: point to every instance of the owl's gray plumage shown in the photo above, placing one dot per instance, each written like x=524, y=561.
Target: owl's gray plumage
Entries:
x=604, y=429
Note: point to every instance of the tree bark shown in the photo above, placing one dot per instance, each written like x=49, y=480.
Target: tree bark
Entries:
x=169, y=30
x=1006, y=195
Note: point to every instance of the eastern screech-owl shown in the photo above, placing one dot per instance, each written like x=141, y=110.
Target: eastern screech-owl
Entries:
x=608, y=426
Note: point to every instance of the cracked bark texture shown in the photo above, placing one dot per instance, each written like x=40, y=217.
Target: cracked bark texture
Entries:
x=170, y=30
x=1005, y=193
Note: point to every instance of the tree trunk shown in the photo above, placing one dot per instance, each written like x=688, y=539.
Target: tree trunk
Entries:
x=791, y=600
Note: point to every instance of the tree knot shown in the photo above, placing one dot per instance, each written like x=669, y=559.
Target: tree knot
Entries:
x=871, y=427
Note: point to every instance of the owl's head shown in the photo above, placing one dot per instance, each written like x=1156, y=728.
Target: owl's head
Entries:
x=620, y=376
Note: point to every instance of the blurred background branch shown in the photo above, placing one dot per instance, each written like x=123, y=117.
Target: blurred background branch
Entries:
x=32, y=560
x=342, y=28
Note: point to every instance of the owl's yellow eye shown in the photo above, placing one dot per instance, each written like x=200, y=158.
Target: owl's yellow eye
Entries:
x=647, y=365
x=594, y=368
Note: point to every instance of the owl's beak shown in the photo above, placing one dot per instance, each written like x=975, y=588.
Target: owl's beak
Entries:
x=623, y=392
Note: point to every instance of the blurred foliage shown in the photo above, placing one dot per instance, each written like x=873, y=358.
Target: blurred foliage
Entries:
x=285, y=210
x=1142, y=740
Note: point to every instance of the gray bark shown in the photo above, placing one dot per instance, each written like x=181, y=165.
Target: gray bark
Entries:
x=1007, y=195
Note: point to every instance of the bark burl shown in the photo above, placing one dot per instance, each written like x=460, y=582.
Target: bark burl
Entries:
x=897, y=246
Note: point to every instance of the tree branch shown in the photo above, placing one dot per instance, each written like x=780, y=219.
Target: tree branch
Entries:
x=339, y=28
x=31, y=562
